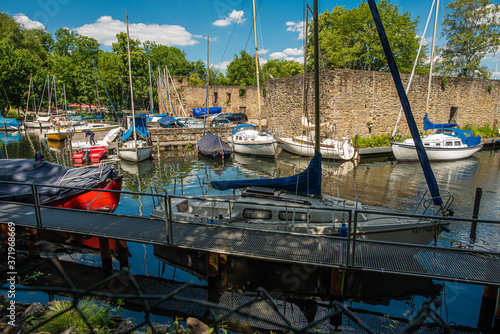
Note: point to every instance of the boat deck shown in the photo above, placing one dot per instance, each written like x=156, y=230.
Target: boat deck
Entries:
x=448, y=264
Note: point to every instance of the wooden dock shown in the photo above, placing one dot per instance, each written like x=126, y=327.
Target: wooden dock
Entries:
x=447, y=264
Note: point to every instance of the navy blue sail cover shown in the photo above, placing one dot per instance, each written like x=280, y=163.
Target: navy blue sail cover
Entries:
x=428, y=125
x=30, y=171
x=307, y=182
x=211, y=143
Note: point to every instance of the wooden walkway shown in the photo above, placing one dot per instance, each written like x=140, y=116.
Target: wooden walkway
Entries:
x=459, y=265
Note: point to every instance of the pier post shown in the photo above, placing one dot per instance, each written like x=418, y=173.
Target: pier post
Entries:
x=487, y=310
x=337, y=293
x=107, y=262
x=475, y=214
x=123, y=253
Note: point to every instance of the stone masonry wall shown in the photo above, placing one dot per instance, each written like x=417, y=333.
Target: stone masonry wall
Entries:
x=352, y=100
x=231, y=98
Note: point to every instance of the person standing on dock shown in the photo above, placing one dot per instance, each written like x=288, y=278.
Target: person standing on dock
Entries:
x=90, y=134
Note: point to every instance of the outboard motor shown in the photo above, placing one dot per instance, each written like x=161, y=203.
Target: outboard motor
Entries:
x=39, y=158
x=86, y=152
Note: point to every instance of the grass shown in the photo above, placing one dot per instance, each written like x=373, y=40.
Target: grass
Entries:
x=374, y=141
x=63, y=316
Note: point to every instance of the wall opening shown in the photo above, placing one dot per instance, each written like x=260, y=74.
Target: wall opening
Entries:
x=453, y=115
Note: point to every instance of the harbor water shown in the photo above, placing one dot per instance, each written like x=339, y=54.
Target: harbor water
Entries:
x=380, y=300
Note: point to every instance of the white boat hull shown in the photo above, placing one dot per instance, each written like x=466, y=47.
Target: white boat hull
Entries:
x=252, y=142
x=404, y=152
x=135, y=151
x=300, y=146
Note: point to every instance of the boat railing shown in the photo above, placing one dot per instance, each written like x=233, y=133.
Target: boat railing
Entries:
x=426, y=204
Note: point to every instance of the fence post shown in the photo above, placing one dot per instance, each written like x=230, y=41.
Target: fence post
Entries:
x=168, y=218
x=36, y=205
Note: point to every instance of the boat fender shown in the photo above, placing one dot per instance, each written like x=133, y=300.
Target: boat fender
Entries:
x=39, y=158
x=343, y=231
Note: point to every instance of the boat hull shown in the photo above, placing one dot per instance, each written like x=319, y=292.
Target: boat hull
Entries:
x=304, y=148
x=404, y=152
x=93, y=200
x=257, y=149
x=135, y=154
x=59, y=136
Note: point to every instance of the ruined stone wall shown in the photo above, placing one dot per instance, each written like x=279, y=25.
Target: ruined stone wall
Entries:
x=231, y=98
x=353, y=100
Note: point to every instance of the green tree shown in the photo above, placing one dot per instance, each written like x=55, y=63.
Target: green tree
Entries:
x=472, y=30
x=348, y=39
x=162, y=55
x=241, y=71
x=279, y=68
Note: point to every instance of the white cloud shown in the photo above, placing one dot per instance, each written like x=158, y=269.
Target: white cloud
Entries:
x=263, y=51
x=27, y=22
x=221, y=66
x=236, y=16
x=106, y=28
x=296, y=27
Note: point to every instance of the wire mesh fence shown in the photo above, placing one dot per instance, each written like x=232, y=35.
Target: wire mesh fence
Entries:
x=98, y=308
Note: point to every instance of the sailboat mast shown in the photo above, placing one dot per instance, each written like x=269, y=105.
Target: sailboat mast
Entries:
x=49, y=92
x=28, y=99
x=96, y=87
x=130, y=80
x=65, y=104
x=55, y=91
x=316, y=77
x=432, y=59
x=304, y=96
x=150, y=87
x=206, y=92
x=256, y=61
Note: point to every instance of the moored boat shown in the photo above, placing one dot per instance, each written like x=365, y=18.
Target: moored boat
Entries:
x=23, y=173
x=94, y=154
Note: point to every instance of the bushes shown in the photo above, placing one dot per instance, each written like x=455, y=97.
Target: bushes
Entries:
x=485, y=130
x=374, y=141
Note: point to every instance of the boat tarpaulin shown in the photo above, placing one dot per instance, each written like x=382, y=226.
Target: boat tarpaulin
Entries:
x=141, y=128
x=307, y=182
x=169, y=122
x=31, y=171
x=214, y=146
x=6, y=122
x=197, y=112
x=428, y=125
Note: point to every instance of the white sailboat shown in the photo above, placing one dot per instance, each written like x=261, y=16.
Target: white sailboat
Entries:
x=134, y=149
x=447, y=142
x=246, y=138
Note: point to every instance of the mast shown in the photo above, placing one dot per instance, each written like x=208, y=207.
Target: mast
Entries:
x=28, y=99
x=65, y=104
x=150, y=87
x=304, y=97
x=130, y=80
x=256, y=61
x=316, y=78
x=206, y=93
x=49, y=91
x=432, y=59
x=55, y=90
x=96, y=87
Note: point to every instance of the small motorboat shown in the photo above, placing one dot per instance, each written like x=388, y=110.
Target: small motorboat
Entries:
x=60, y=186
x=94, y=154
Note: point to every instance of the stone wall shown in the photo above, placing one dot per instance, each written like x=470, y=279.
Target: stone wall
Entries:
x=231, y=98
x=354, y=100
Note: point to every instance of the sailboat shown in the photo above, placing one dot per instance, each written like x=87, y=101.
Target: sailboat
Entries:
x=246, y=138
x=129, y=147
x=296, y=203
x=447, y=142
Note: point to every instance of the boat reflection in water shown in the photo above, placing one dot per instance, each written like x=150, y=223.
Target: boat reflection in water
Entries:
x=303, y=293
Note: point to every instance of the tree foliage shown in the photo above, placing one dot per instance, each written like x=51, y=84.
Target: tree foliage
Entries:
x=348, y=39
x=278, y=68
x=472, y=30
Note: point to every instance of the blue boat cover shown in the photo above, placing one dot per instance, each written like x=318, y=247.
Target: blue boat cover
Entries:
x=150, y=118
x=428, y=125
x=213, y=146
x=94, y=117
x=197, y=112
x=307, y=182
x=169, y=121
x=6, y=122
x=31, y=171
x=240, y=126
x=140, y=127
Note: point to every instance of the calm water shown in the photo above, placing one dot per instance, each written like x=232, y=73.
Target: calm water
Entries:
x=390, y=184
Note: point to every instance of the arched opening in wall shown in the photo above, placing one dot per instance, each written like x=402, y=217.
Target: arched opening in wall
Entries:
x=216, y=97
x=228, y=98
x=243, y=110
x=453, y=115
x=243, y=92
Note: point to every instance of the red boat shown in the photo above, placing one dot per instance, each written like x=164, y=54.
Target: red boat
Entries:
x=94, y=154
x=26, y=172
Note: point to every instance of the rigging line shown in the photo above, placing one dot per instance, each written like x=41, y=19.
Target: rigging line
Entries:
x=43, y=92
x=5, y=93
x=230, y=36
x=251, y=27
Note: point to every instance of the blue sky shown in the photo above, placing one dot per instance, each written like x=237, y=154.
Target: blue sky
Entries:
x=185, y=24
